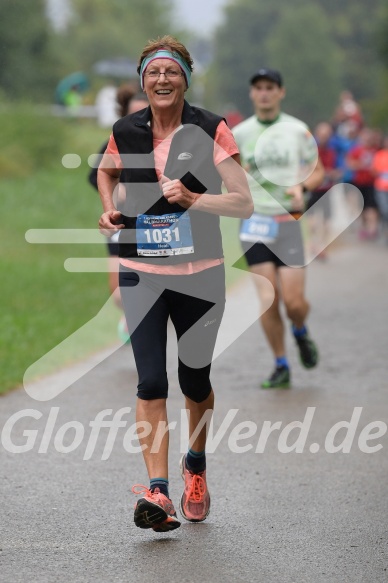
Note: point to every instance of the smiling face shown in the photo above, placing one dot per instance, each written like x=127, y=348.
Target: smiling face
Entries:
x=164, y=90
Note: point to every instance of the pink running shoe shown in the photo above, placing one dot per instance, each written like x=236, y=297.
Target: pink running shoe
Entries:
x=195, y=501
x=154, y=510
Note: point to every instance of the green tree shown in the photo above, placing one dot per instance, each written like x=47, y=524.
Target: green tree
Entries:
x=382, y=37
x=377, y=108
x=354, y=26
x=119, y=28
x=320, y=45
x=239, y=49
x=301, y=46
x=292, y=37
x=26, y=64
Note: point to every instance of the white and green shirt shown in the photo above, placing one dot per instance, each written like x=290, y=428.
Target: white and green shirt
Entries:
x=276, y=155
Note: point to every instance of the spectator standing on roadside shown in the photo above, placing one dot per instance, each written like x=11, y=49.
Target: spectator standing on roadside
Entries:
x=319, y=215
x=360, y=159
x=347, y=112
x=380, y=170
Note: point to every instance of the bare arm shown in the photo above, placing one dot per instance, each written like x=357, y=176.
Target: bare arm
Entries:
x=237, y=202
x=311, y=183
x=108, y=177
x=316, y=177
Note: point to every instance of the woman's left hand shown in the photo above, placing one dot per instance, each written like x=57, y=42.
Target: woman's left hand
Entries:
x=175, y=192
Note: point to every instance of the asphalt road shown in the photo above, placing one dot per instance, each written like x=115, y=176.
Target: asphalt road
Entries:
x=315, y=516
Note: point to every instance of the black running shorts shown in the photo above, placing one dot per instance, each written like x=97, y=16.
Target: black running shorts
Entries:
x=286, y=251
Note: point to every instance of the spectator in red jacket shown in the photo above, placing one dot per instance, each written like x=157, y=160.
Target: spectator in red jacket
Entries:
x=380, y=169
x=360, y=160
x=320, y=214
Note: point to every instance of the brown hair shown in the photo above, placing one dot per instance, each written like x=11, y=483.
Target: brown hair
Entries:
x=123, y=96
x=166, y=42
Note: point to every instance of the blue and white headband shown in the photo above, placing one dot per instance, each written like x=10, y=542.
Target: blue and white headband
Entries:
x=162, y=54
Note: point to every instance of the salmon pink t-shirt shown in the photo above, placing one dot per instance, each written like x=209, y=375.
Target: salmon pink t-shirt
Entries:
x=224, y=147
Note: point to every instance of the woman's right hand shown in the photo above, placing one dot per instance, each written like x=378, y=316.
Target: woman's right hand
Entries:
x=109, y=223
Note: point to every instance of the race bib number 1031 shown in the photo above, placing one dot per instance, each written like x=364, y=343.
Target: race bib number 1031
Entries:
x=161, y=235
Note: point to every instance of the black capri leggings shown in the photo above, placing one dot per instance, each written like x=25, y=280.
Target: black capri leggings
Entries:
x=195, y=303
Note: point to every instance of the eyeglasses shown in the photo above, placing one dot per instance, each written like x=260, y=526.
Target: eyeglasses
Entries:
x=169, y=74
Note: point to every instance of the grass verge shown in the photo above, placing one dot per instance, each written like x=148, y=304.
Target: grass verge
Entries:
x=42, y=303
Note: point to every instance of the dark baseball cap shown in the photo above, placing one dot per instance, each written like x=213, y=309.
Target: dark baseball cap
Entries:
x=270, y=74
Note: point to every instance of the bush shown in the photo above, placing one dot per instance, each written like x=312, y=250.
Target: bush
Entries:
x=31, y=139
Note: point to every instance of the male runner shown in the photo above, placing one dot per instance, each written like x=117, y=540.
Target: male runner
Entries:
x=280, y=155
